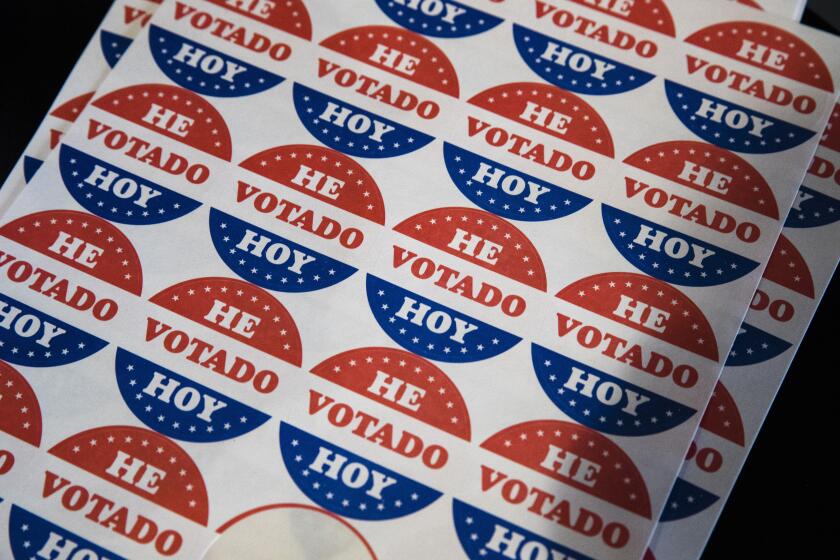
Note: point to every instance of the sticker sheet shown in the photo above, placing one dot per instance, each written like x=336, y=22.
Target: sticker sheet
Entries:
x=121, y=24
x=798, y=274
x=779, y=315
x=330, y=277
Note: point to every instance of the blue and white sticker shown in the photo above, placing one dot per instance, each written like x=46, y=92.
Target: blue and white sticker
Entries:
x=32, y=536
x=270, y=260
x=670, y=255
x=351, y=130
x=204, y=70
x=573, y=68
x=113, y=46
x=507, y=192
x=602, y=401
x=685, y=500
x=812, y=209
x=447, y=19
x=732, y=126
x=178, y=407
x=432, y=330
x=31, y=166
x=348, y=484
x=484, y=536
x=118, y=195
x=753, y=346
x=32, y=338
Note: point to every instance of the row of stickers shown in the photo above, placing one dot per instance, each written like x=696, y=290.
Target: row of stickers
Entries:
x=747, y=387
x=205, y=261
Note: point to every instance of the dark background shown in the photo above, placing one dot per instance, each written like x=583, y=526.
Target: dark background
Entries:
x=781, y=504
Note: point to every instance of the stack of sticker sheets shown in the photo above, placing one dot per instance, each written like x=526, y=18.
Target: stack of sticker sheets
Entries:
x=410, y=279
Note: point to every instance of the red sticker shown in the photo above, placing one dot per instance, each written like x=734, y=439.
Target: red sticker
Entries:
x=239, y=310
x=400, y=52
x=831, y=134
x=722, y=417
x=174, y=112
x=85, y=242
x=143, y=462
x=70, y=110
x=481, y=238
x=767, y=47
x=787, y=268
x=322, y=173
x=648, y=305
x=402, y=381
x=652, y=14
x=577, y=456
x=710, y=170
x=286, y=15
x=551, y=110
x=20, y=413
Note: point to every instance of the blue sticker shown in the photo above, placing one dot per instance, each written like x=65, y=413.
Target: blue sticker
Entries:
x=178, y=407
x=347, y=484
x=117, y=195
x=271, y=261
x=686, y=500
x=113, y=46
x=204, y=70
x=573, y=68
x=731, y=126
x=32, y=536
x=432, y=330
x=669, y=255
x=812, y=209
x=31, y=166
x=484, y=536
x=352, y=130
x=32, y=338
x=438, y=18
x=753, y=346
x=602, y=401
x=506, y=192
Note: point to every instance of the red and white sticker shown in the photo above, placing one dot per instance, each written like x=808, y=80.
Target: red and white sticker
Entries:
x=481, y=238
x=400, y=52
x=324, y=174
x=707, y=169
x=68, y=111
x=788, y=268
x=239, y=310
x=172, y=111
x=767, y=47
x=20, y=413
x=83, y=241
x=722, y=417
x=648, y=305
x=401, y=381
x=550, y=110
x=290, y=16
x=831, y=134
x=577, y=456
x=143, y=462
x=651, y=14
